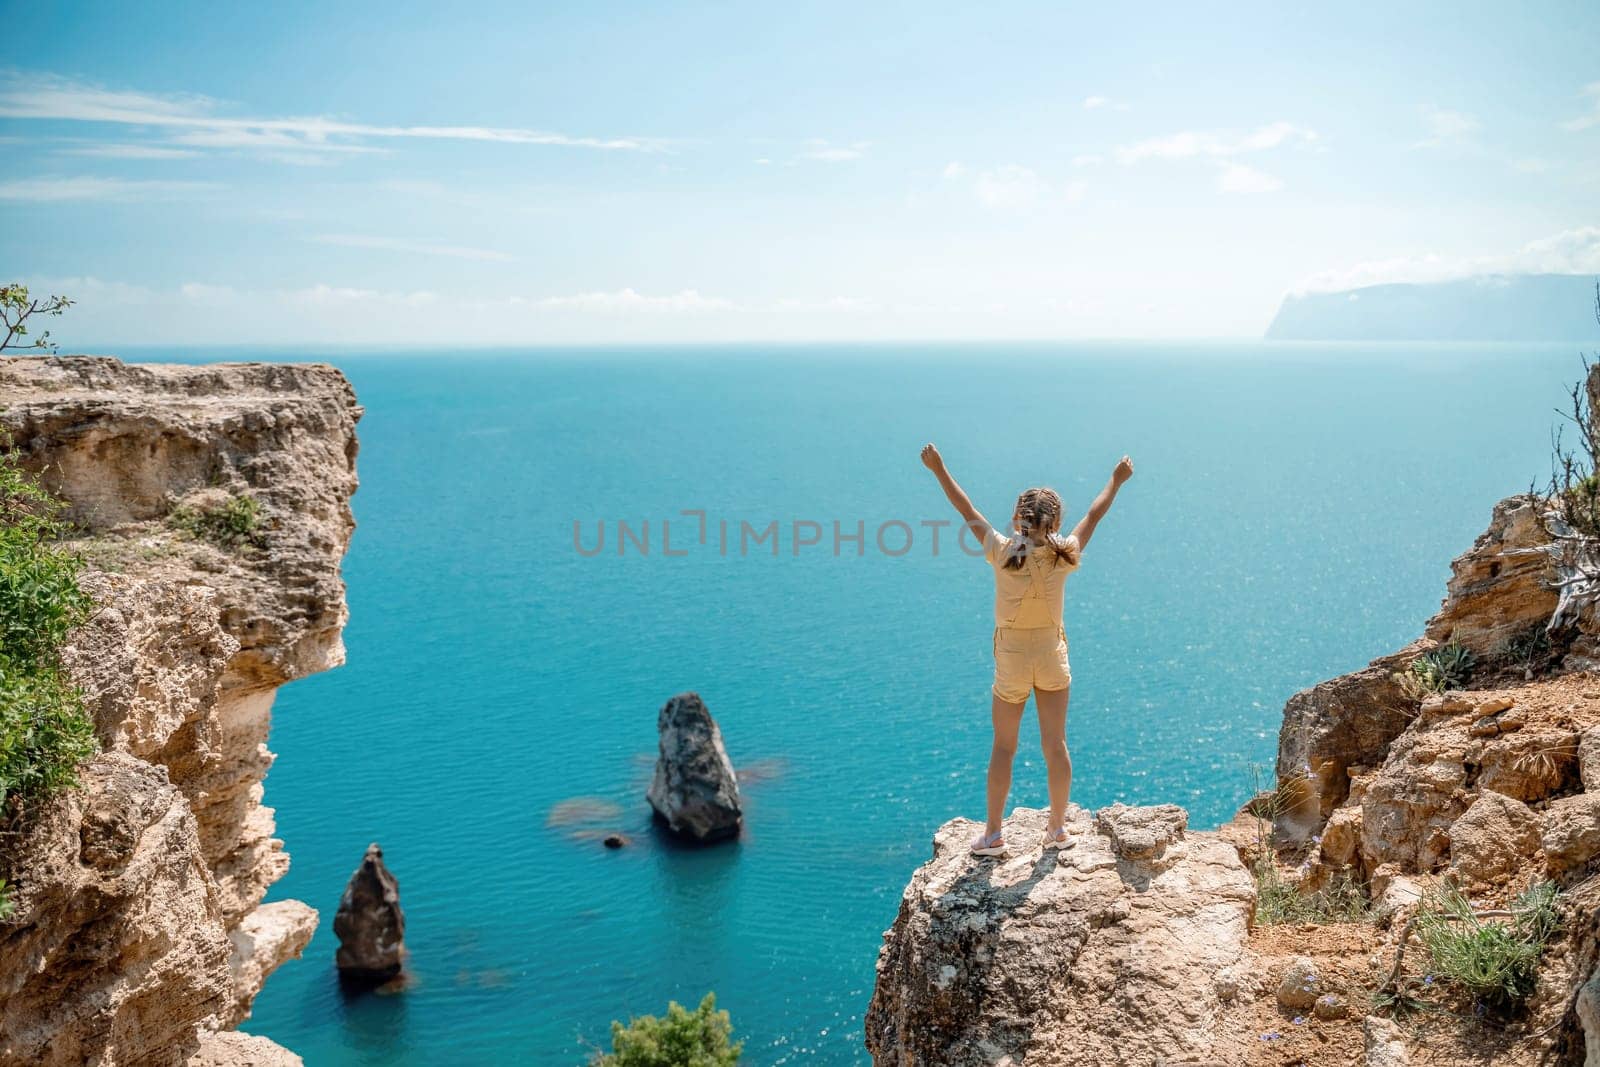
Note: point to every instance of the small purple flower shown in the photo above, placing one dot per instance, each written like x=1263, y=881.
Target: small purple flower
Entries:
x=1427, y=979
x=1299, y=1020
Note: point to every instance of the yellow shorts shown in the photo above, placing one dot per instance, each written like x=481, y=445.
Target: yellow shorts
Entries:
x=1025, y=660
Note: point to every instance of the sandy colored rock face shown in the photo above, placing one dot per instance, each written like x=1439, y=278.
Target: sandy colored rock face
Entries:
x=142, y=941
x=1572, y=832
x=117, y=950
x=1501, y=586
x=229, y=1048
x=1106, y=953
x=1493, y=839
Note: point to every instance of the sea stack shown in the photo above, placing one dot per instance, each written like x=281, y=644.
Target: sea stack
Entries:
x=694, y=790
x=370, y=925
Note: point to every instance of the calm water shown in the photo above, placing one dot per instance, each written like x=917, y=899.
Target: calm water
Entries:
x=1293, y=515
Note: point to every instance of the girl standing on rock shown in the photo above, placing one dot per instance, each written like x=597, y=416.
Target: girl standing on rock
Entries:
x=1030, y=644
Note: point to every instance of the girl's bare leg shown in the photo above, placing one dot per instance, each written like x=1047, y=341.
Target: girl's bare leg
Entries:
x=1052, y=705
x=1007, y=721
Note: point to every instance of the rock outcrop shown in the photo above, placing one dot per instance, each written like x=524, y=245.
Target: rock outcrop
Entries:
x=694, y=791
x=1137, y=947
x=139, y=930
x=370, y=925
x=1122, y=949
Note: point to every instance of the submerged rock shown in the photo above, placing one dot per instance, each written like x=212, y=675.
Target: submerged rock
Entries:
x=694, y=790
x=370, y=925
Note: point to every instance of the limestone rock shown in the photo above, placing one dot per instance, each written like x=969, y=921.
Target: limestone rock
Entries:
x=1300, y=985
x=229, y=1048
x=1410, y=804
x=1384, y=1042
x=1532, y=764
x=1330, y=1006
x=1107, y=953
x=179, y=665
x=1341, y=723
x=1341, y=837
x=117, y=952
x=1503, y=584
x=694, y=791
x=1572, y=832
x=1588, y=1005
x=263, y=941
x=1493, y=838
x=1589, y=759
x=370, y=925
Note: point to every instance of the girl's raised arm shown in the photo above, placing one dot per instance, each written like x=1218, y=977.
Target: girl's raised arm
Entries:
x=958, y=498
x=1102, y=503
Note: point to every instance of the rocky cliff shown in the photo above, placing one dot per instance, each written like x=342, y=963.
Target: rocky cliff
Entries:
x=1148, y=943
x=213, y=507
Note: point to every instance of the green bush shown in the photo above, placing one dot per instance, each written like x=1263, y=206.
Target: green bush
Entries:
x=7, y=908
x=1496, y=962
x=683, y=1038
x=1445, y=667
x=44, y=731
x=40, y=602
x=231, y=524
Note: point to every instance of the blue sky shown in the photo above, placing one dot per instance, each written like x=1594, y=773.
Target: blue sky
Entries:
x=395, y=172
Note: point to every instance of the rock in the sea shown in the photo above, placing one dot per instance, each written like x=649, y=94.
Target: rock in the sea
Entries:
x=694, y=790
x=614, y=841
x=1107, y=953
x=370, y=925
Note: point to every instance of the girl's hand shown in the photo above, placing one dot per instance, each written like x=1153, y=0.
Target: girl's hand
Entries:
x=1123, y=472
x=931, y=458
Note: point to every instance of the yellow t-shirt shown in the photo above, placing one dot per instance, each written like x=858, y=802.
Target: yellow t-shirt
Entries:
x=1030, y=596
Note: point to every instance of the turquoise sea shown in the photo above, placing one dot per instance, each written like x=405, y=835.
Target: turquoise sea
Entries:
x=1293, y=514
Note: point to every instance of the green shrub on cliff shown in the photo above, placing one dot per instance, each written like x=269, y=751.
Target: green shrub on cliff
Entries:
x=683, y=1038
x=44, y=731
x=235, y=522
x=1496, y=962
x=1445, y=667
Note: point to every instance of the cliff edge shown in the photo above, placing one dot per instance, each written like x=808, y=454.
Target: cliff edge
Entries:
x=1464, y=767
x=212, y=505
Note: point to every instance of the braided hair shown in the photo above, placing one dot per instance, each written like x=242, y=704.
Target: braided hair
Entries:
x=1038, y=526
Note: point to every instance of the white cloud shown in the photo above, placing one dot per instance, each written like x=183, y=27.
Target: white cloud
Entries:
x=825, y=152
x=629, y=300
x=1575, y=251
x=954, y=170
x=1238, y=178
x=52, y=190
x=1447, y=127
x=130, y=151
x=1091, y=103
x=1073, y=192
x=195, y=121
x=1192, y=144
x=391, y=244
x=1010, y=187
x=333, y=296
x=1088, y=160
x=1591, y=92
